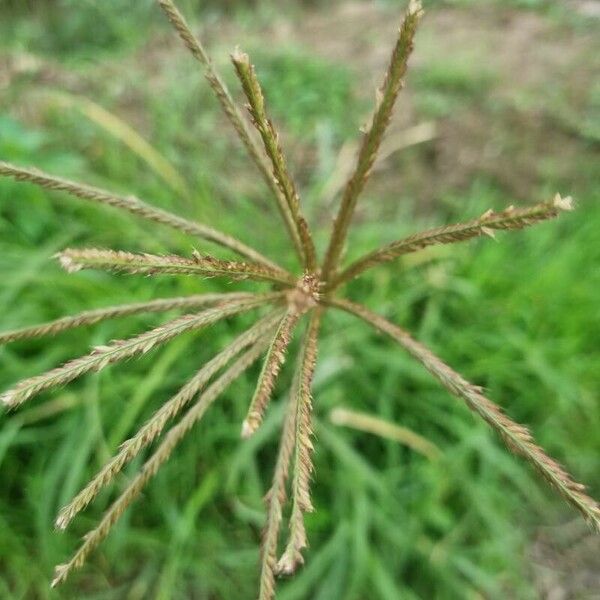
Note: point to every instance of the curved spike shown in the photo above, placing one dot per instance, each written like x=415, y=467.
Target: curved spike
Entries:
x=155, y=425
x=119, y=350
x=91, y=317
x=517, y=438
x=133, y=205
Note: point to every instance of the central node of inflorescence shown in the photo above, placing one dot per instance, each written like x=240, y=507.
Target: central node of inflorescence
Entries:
x=305, y=295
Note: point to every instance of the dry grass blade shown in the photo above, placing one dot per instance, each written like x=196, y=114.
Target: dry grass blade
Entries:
x=344, y=163
x=230, y=109
x=269, y=373
x=168, y=411
x=158, y=458
x=135, y=206
x=386, y=99
x=119, y=350
x=365, y=422
x=517, y=437
x=126, y=134
x=270, y=138
x=74, y=260
x=275, y=499
x=511, y=218
x=90, y=317
x=303, y=465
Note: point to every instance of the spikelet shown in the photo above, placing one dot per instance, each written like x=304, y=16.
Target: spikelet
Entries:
x=385, y=101
x=303, y=465
x=133, y=205
x=153, y=464
x=510, y=218
x=517, y=437
x=119, y=350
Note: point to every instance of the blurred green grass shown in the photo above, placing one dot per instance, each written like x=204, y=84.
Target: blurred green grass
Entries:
x=519, y=316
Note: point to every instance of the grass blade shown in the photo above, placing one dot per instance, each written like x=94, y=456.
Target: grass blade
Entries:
x=126, y=134
x=365, y=422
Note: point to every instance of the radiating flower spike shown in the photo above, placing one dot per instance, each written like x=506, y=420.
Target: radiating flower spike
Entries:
x=488, y=223
x=275, y=500
x=133, y=205
x=385, y=101
x=119, y=350
x=303, y=450
x=153, y=464
x=232, y=113
x=91, y=317
x=270, y=138
x=270, y=371
x=73, y=260
x=155, y=425
x=517, y=437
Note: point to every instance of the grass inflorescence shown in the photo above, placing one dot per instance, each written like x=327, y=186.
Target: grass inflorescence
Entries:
x=298, y=299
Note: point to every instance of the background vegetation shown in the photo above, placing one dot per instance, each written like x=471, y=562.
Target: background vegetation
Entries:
x=506, y=97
